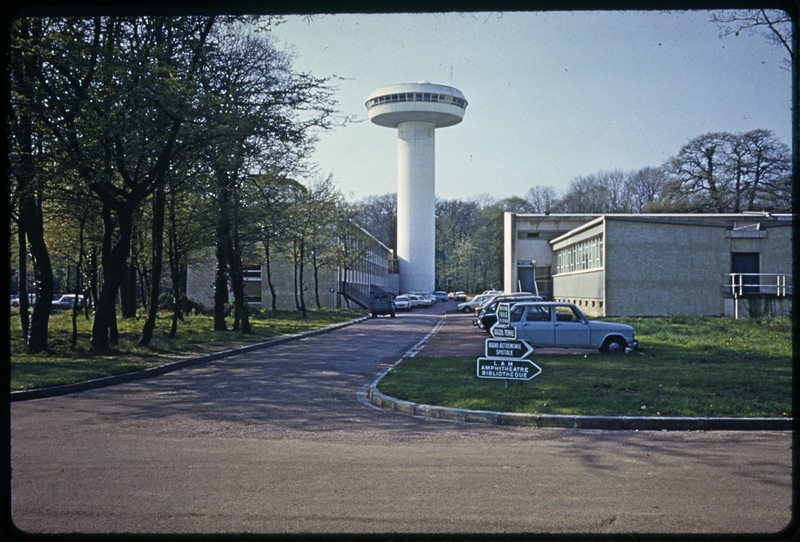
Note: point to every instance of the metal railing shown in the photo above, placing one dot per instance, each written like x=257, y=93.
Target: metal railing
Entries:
x=760, y=284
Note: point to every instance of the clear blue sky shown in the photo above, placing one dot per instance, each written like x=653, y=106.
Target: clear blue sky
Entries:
x=552, y=95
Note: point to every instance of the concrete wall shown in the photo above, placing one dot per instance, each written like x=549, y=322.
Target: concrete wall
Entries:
x=664, y=269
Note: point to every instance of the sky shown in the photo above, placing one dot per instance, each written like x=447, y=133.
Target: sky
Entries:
x=552, y=95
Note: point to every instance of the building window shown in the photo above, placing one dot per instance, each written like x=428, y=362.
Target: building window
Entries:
x=581, y=256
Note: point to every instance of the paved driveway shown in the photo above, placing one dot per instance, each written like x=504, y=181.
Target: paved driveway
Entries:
x=276, y=441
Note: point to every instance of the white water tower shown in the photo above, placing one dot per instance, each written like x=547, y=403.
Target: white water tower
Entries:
x=416, y=110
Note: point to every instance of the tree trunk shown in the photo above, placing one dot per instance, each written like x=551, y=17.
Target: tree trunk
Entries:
x=157, y=263
x=104, y=330
x=78, y=285
x=303, y=309
x=31, y=217
x=237, y=282
x=127, y=291
x=223, y=261
x=269, y=275
x=92, y=265
x=220, y=289
x=24, y=298
x=316, y=280
x=175, y=272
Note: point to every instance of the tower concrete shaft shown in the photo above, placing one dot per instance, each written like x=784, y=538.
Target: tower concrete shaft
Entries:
x=416, y=206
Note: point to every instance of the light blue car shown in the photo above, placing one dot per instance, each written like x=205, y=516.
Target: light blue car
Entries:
x=549, y=324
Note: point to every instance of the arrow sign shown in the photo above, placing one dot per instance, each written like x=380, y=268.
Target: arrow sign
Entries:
x=507, y=349
x=503, y=332
x=505, y=369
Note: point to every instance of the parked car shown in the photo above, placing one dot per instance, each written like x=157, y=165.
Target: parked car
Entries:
x=563, y=325
x=460, y=296
x=67, y=301
x=415, y=300
x=402, y=303
x=488, y=314
x=427, y=298
x=440, y=296
x=381, y=303
x=474, y=304
x=422, y=300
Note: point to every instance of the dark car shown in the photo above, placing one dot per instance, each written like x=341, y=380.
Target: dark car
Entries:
x=488, y=314
x=382, y=303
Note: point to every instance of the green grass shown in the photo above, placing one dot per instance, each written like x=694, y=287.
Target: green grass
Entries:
x=63, y=365
x=687, y=367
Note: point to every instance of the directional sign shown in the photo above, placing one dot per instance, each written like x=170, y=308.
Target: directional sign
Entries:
x=507, y=349
x=503, y=314
x=505, y=369
x=503, y=332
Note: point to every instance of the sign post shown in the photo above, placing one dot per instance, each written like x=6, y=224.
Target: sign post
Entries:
x=505, y=354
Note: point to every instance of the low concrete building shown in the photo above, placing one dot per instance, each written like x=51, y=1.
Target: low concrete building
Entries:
x=370, y=265
x=654, y=264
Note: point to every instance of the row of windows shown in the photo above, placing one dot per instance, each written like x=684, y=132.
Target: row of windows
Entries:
x=581, y=256
x=417, y=97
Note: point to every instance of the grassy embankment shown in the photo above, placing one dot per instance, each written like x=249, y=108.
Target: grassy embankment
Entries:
x=687, y=367
x=195, y=336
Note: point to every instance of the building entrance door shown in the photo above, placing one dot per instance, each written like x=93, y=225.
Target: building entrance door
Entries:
x=525, y=277
x=748, y=264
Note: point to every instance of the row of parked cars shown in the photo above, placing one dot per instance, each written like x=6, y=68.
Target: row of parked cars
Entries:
x=418, y=299
x=385, y=303
x=550, y=324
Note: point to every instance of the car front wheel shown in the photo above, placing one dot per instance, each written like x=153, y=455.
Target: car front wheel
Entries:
x=614, y=345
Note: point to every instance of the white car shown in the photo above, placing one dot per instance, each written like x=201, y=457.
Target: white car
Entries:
x=550, y=324
x=475, y=303
x=426, y=298
x=402, y=303
x=422, y=300
x=67, y=301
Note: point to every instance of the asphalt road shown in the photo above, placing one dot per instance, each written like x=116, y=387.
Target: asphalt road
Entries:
x=276, y=441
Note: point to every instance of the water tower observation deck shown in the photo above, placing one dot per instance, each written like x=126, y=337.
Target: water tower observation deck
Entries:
x=439, y=105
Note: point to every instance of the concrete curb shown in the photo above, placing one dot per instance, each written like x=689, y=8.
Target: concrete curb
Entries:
x=613, y=423
x=41, y=393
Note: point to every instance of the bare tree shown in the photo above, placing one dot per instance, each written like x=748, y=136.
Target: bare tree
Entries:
x=723, y=172
x=775, y=25
x=378, y=214
x=697, y=173
x=644, y=187
x=541, y=199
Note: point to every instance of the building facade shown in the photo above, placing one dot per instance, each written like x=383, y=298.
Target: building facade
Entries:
x=653, y=264
x=366, y=265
